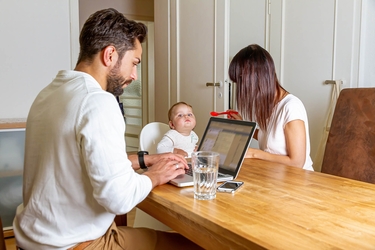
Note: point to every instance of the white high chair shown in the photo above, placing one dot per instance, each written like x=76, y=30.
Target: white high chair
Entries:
x=149, y=138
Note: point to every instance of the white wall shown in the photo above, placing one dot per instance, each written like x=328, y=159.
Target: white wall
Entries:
x=39, y=38
x=35, y=43
x=133, y=9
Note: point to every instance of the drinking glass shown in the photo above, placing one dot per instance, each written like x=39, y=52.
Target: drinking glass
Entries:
x=205, y=166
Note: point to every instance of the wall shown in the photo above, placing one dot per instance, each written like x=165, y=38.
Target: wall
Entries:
x=135, y=104
x=34, y=45
x=315, y=41
x=310, y=41
x=132, y=9
x=40, y=37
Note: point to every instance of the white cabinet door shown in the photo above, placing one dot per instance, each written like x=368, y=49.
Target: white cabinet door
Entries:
x=190, y=42
x=192, y=49
x=314, y=41
x=310, y=41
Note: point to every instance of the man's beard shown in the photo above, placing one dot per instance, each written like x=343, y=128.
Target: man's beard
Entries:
x=115, y=81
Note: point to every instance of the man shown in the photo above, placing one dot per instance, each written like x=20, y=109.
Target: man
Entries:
x=77, y=175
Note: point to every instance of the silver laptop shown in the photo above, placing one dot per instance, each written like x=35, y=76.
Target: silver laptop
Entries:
x=230, y=138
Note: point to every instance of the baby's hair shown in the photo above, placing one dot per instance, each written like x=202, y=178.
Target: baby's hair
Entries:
x=174, y=105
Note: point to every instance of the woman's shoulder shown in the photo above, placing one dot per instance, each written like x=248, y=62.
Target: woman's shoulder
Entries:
x=293, y=107
x=291, y=100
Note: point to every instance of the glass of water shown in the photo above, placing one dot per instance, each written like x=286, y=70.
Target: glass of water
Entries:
x=205, y=166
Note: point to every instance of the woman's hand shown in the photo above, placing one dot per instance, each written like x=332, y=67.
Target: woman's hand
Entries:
x=234, y=116
x=253, y=153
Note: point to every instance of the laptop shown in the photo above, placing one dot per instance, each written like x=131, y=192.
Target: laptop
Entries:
x=230, y=138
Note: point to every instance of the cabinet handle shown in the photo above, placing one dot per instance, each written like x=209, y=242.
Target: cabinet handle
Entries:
x=333, y=81
x=212, y=84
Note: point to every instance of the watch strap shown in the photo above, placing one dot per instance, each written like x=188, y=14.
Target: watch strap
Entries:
x=141, y=159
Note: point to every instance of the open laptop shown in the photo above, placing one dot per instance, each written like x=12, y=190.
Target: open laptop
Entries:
x=230, y=138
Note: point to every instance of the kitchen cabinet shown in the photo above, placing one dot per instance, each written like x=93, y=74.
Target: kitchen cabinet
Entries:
x=12, y=143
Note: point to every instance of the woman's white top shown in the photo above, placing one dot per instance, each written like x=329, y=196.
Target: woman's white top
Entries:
x=272, y=140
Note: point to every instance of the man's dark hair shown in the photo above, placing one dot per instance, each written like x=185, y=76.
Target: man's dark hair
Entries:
x=109, y=27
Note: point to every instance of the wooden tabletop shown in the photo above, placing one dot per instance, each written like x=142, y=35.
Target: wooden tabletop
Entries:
x=278, y=207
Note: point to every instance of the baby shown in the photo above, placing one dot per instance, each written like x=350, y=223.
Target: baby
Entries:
x=181, y=139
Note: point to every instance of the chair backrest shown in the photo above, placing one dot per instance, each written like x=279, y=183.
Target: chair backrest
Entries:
x=150, y=136
x=350, y=148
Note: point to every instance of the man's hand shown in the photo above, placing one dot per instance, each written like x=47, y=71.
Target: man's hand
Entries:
x=165, y=170
x=180, y=152
x=150, y=160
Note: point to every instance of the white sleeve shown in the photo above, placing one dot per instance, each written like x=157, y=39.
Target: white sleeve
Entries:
x=101, y=129
x=165, y=145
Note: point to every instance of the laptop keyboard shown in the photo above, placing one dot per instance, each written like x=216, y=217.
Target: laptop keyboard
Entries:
x=190, y=170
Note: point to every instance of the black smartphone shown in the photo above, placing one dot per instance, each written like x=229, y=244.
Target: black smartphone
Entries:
x=229, y=186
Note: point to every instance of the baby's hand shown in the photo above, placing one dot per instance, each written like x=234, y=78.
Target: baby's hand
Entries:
x=180, y=152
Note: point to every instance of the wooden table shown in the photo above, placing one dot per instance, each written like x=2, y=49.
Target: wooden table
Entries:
x=278, y=207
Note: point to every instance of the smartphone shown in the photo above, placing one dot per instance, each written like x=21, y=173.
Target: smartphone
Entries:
x=229, y=186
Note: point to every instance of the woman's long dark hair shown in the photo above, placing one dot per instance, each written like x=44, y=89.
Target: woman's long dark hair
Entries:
x=253, y=70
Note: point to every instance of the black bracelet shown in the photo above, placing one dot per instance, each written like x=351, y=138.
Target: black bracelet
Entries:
x=141, y=159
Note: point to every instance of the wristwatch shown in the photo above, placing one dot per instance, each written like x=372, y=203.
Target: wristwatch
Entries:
x=141, y=159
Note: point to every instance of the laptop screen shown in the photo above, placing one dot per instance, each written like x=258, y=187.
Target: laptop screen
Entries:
x=230, y=138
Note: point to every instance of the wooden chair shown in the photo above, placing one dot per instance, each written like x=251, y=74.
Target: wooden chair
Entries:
x=121, y=220
x=2, y=240
x=350, y=148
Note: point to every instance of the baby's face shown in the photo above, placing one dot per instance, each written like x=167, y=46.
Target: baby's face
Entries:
x=183, y=119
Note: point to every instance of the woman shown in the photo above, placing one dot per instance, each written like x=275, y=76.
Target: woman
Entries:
x=283, y=131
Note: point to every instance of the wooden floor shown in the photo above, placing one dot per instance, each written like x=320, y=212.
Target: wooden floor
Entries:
x=11, y=243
